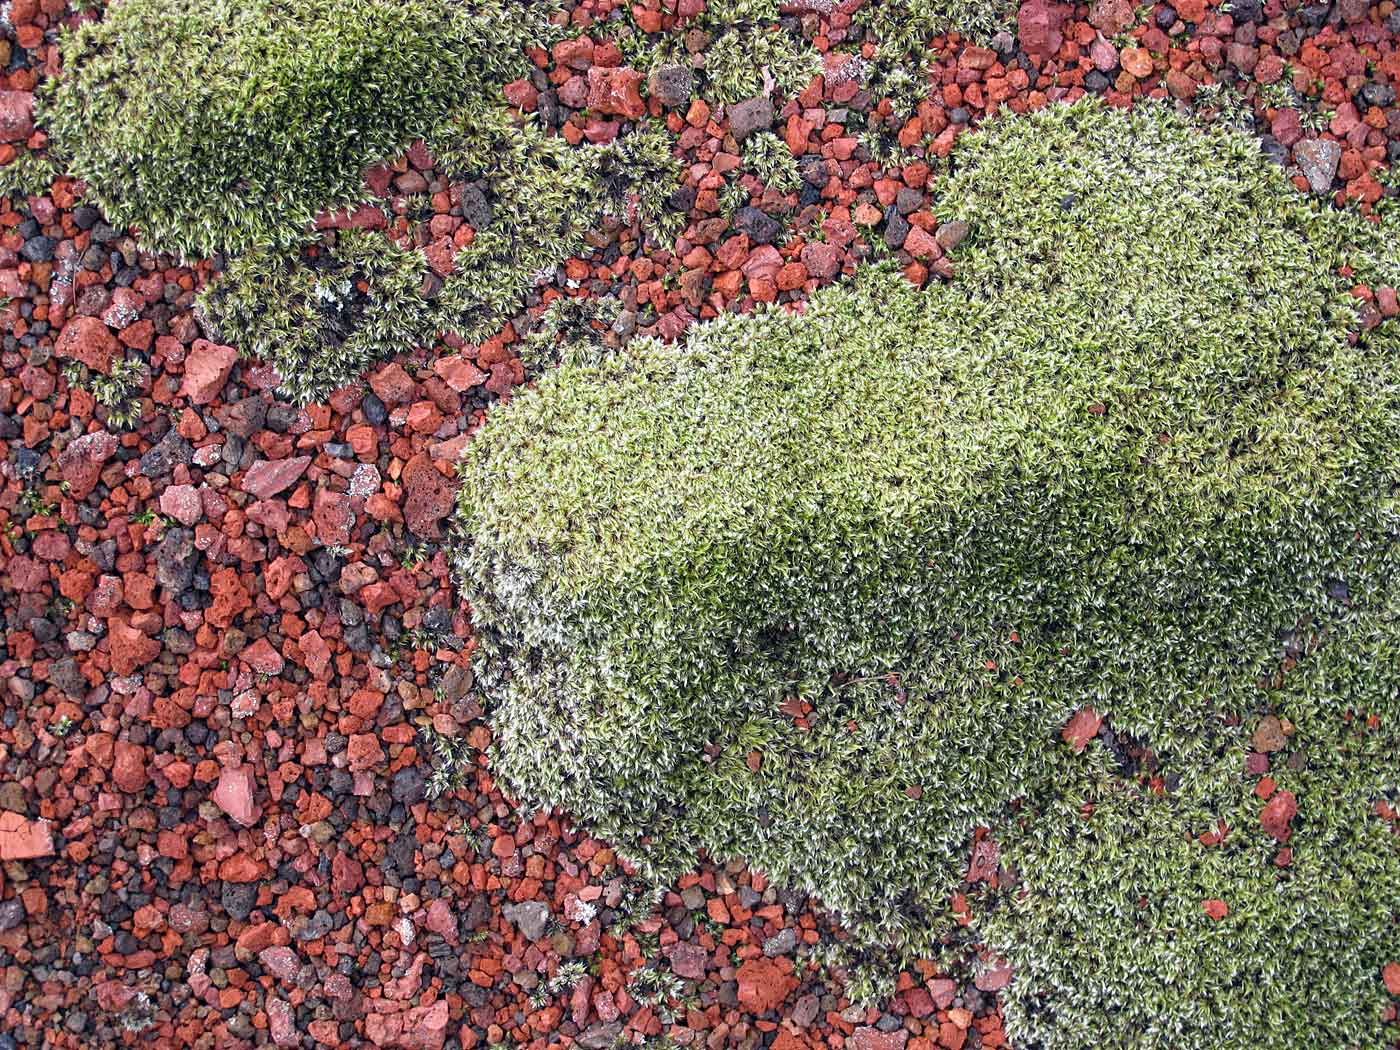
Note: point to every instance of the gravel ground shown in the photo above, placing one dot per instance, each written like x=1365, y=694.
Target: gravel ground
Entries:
x=227, y=627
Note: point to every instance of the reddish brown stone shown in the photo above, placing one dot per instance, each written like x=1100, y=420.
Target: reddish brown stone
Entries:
x=22, y=839
x=764, y=984
x=1081, y=728
x=266, y=478
x=88, y=340
x=427, y=497
x=207, y=370
x=1278, y=814
x=129, y=648
x=16, y=115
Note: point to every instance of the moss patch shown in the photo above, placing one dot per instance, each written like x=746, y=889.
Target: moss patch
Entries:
x=323, y=314
x=544, y=197
x=221, y=126
x=1129, y=458
x=730, y=45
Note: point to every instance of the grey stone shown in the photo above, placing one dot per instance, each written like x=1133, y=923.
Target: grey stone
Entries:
x=530, y=918
x=169, y=452
x=672, y=85
x=749, y=116
x=176, y=557
x=782, y=942
x=1318, y=159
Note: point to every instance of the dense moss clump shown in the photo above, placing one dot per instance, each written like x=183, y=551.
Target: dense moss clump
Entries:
x=1128, y=458
x=216, y=125
x=323, y=314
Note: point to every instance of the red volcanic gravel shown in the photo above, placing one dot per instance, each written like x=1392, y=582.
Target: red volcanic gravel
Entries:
x=226, y=630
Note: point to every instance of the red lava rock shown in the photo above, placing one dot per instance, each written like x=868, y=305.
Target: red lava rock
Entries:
x=16, y=115
x=1137, y=61
x=1216, y=908
x=333, y=517
x=82, y=460
x=182, y=503
x=1111, y=17
x=282, y=963
x=1278, y=814
x=522, y=95
x=240, y=868
x=823, y=261
x=129, y=767
x=459, y=373
x=1081, y=728
x=22, y=839
x=263, y=658
x=113, y=996
x=420, y=1028
x=281, y=1022
x=130, y=649
x=234, y=795
x=88, y=340
x=616, y=91
x=317, y=653
x=1390, y=974
x=1038, y=23
x=392, y=385
x=427, y=497
x=994, y=978
x=207, y=369
x=230, y=598
x=688, y=960
x=364, y=751
x=764, y=984
x=868, y=1038
x=267, y=477
x=921, y=244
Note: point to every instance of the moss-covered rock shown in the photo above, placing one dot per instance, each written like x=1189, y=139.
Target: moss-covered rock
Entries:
x=1132, y=458
x=222, y=126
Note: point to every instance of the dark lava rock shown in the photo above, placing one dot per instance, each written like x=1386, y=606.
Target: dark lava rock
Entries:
x=476, y=210
x=376, y=415
x=761, y=227
x=176, y=558
x=408, y=786
x=238, y=898
x=171, y=451
x=672, y=85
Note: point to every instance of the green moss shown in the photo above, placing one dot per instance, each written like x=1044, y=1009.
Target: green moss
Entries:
x=323, y=314
x=1126, y=458
x=545, y=196
x=222, y=126
x=29, y=173
x=768, y=158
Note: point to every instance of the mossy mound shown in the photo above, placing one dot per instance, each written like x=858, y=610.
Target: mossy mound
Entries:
x=216, y=125
x=1131, y=458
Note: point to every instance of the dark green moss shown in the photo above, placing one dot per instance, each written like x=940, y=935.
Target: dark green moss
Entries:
x=217, y=126
x=1126, y=459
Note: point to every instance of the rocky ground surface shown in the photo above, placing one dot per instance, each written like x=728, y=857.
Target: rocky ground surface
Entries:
x=227, y=627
